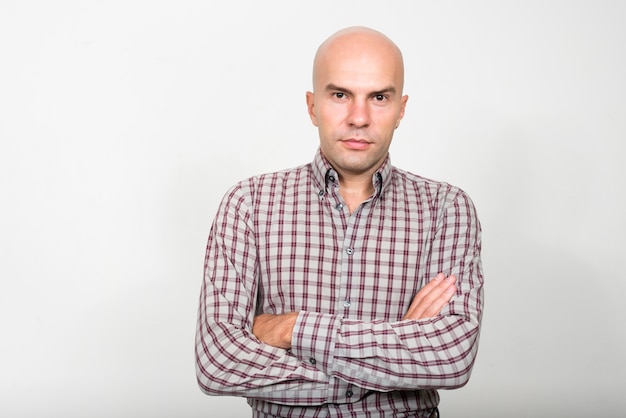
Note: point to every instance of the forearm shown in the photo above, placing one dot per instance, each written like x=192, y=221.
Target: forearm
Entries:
x=383, y=356
x=437, y=353
x=231, y=361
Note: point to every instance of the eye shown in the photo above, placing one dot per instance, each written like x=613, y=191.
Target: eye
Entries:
x=380, y=97
x=340, y=95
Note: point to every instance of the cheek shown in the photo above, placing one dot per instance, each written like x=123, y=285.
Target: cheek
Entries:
x=326, y=122
x=331, y=112
x=324, y=115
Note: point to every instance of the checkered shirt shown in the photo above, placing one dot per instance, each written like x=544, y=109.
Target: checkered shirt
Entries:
x=286, y=242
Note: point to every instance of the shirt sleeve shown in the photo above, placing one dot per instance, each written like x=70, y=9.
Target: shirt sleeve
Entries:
x=230, y=360
x=430, y=353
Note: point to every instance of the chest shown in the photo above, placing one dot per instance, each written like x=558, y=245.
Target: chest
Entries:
x=314, y=255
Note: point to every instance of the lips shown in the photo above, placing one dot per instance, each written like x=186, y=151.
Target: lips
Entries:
x=356, y=144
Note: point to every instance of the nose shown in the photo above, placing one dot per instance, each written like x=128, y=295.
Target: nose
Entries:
x=359, y=114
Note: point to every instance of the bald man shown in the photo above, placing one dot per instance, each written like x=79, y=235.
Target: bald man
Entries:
x=345, y=287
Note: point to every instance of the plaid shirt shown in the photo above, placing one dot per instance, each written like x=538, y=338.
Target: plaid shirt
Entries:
x=286, y=242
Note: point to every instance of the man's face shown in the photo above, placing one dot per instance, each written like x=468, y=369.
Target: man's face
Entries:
x=357, y=103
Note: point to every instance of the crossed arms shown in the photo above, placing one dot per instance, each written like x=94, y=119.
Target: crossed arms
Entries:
x=296, y=357
x=277, y=330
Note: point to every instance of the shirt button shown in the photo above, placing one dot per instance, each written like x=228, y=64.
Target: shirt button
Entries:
x=321, y=192
x=312, y=361
x=339, y=206
x=331, y=178
x=349, y=393
x=347, y=303
x=349, y=251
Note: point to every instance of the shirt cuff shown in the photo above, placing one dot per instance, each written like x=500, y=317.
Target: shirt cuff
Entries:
x=314, y=337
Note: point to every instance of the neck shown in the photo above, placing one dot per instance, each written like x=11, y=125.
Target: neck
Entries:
x=357, y=185
x=355, y=190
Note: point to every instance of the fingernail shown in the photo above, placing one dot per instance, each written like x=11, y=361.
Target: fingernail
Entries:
x=451, y=279
x=439, y=277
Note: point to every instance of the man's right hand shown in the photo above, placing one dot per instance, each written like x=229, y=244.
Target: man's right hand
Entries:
x=428, y=302
x=275, y=330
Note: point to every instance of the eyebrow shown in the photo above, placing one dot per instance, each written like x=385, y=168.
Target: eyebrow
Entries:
x=333, y=87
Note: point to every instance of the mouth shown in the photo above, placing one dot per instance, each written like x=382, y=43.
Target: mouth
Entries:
x=356, y=143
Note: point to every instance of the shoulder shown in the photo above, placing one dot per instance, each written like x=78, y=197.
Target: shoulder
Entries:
x=433, y=196
x=426, y=187
x=269, y=183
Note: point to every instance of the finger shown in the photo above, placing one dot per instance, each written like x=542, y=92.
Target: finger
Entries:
x=434, y=308
x=424, y=291
x=430, y=299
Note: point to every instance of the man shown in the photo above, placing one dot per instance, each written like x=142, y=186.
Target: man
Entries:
x=345, y=287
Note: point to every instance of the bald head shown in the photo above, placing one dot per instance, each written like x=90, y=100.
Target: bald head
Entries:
x=360, y=43
x=357, y=101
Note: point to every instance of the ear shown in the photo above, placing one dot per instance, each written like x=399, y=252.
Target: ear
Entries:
x=402, y=108
x=310, y=104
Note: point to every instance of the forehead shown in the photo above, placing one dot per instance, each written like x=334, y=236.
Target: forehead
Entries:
x=359, y=63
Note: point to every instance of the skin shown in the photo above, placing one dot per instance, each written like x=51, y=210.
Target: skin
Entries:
x=356, y=104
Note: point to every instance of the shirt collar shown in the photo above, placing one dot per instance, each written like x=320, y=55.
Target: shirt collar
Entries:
x=324, y=174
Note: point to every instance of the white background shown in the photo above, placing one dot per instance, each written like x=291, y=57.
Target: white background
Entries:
x=123, y=123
